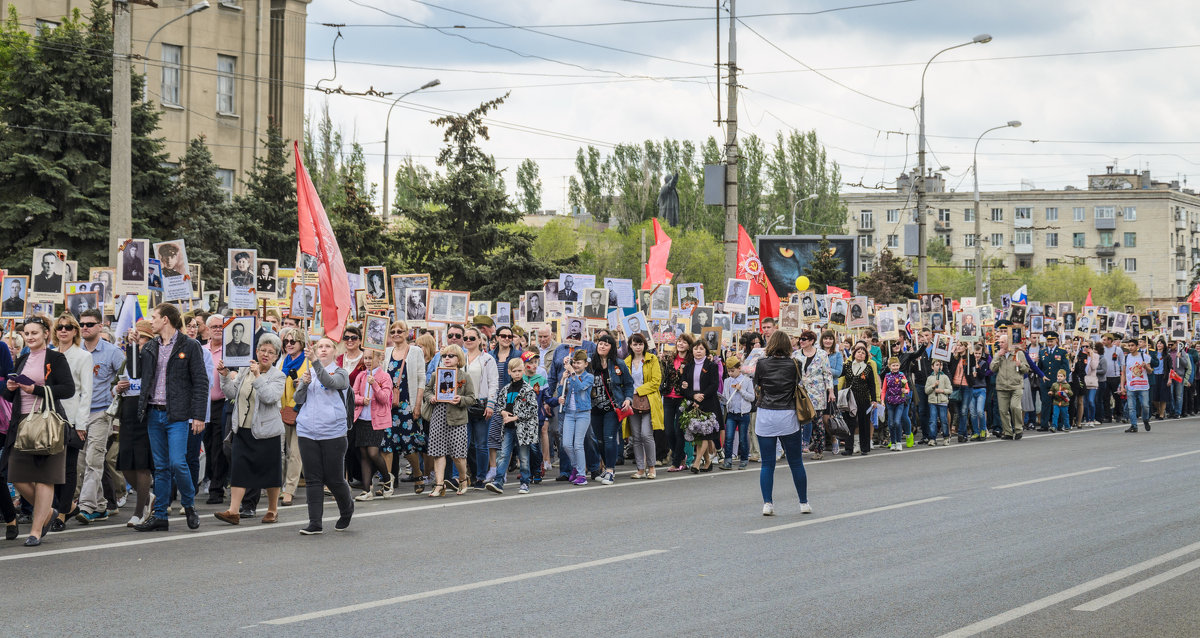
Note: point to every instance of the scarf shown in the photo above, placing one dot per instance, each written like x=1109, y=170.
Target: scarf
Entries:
x=857, y=367
x=290, y=365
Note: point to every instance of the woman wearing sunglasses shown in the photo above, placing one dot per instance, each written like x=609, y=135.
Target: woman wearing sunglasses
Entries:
x=405, y=364
x=35, y=476
x=448, y=425
x=506, y=350
x=481, y=368
x=66, y=339
x=293, y=364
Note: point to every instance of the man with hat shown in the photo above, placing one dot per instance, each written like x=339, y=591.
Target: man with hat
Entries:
x=486, y=326
x=1050, y=360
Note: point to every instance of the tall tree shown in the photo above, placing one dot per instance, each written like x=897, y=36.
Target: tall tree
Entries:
x=890, y=280
x=269, y=202
x=55, y=150
x=824, y=269
x=529, y=188
x=361, y=235
x=200, y=215
x=797, y=168
x=412, y=179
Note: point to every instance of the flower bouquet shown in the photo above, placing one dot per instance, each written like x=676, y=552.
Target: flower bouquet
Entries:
x=696, y=422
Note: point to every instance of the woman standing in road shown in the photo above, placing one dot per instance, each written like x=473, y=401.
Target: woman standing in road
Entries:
x=647, y=378
x=818, y=381
x=861, y=379
x=321, y=427
x=255, y=461
x=406, y=367
x=700, y=383
x=372, y=418
x=673, y=398
x=612, y=387
x=293, y=365
x=66, y=340
x=481, y=368
x=448, y=425
x=776, y=380
x=35, y=476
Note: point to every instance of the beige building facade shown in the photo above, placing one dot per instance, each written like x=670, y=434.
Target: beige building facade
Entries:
x=1123, y=221
x=225, y=73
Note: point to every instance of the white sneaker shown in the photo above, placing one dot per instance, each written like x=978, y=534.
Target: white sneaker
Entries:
x=606, y=478
x=768, y=509
x=805, y=508
x=365, y=496
x=133, y=520
x=121, y=502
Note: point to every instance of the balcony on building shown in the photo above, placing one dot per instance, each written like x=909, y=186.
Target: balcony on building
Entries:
x=1181, y=223
x=1023, y=249
x=1106, y=223
x=1106, y=251
x=1180, y=251
x=941, y=226
x=1181, y=275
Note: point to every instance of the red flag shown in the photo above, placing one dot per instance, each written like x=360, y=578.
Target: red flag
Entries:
x=1088, y=301
x=1194, y=299
x=316, y=239
x=749, y=266
x=656, y=266
x=841, y=292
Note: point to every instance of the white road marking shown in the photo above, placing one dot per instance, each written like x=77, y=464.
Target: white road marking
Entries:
x=1052, y=478
x=1173, y=456
x=1067, y=594
x=825, y=519
x=1126, y=592
x=460, y=588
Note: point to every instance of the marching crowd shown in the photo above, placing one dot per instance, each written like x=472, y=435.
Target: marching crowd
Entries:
x=92, y=421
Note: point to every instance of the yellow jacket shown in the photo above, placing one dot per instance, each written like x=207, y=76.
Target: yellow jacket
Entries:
x=652, y=381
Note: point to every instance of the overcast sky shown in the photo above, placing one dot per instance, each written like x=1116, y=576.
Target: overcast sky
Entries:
x=1062, y=67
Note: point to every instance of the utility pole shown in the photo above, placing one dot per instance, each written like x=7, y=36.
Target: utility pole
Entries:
x=731, y=153
x=120, y=202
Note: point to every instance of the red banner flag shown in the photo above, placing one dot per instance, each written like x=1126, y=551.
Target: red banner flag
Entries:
x=1194, y=299
x=841, y=292
x=317, y=240
x=749, y=266
x=1087, y=302
x=656, y=266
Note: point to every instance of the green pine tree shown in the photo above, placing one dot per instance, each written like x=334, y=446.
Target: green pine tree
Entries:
x=202, y=216
x=890, y=280
x=824, y=269
x=268, y=205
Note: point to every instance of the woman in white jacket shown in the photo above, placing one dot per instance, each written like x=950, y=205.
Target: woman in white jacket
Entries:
x=66, y=339
x=405, y=364
x=481, y=367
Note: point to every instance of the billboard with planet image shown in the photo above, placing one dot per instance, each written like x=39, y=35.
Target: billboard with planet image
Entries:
x=785, y=258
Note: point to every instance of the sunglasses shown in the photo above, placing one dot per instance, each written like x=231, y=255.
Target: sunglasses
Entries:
x=350, y=338
x=397, y=332
x=454, y=336
x=471, y=339
x=61, y=328
x=504, y=336
x=288, y=342
x=90, y=324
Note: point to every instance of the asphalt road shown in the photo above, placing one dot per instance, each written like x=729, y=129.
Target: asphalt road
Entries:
x=985, y=539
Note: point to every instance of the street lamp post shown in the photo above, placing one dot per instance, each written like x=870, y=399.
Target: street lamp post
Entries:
x=196, y=8
x=386, y=195
x=978, y=212
x=801, y=201
x=922, y=259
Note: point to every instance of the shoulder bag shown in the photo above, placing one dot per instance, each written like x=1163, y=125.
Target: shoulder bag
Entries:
x=837, y=424
x=805, y=411
x=622, y=412
x=42, y=433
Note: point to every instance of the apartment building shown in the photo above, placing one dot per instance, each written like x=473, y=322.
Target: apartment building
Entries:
x=1122, y=220
x=225, y=72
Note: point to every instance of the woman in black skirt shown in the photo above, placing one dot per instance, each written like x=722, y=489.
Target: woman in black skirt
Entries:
x=134, y=458
x=699, y=381
x=256, y=461
x=36, y=475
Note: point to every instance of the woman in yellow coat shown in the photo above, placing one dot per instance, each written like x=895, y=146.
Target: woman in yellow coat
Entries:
x=647, y=377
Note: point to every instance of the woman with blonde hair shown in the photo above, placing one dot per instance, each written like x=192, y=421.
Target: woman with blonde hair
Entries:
x=321, y=427
x=481, y=367
x=448, y=425
x=293, y=364
x=428, y=346
x=406, y=366
x=66, y=339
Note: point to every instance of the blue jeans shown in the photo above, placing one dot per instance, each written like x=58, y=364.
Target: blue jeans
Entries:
x=895, y=421
x=1089, y=405
x=739, y=423
x=976, y=400
x=1137, y=402
x=605, y=427
x=508, y=441
x=939, y=412
x=1177, y=397
x=574, y=432
x=557, y=429
x=791, y=447
x=806, y=434
x=168, y=446
x=1060, y=418
x=923, y=412
x=477, y=448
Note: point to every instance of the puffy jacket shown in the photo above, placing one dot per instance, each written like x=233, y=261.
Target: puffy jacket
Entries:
x=775, y=378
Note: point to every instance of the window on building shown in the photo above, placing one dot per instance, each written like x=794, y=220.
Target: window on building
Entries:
x=944, y=237
x=1023, y=212
x=1180, y=263
x=1050, y=263
x=1106, y=238
x=1130, y=240
x=1079, y=240
x=1130, y=264
x=48, y=25
x=997, y=240
x=1023, y=237
x=864, y=265
x=1051, y=240
x=1130, y=213
x=893, y=215
x=1051, y=214
x=969, y=215
x=943, y=214
x=1107, y=264
x=172, y=168
x=866, y=241
x=997, y=214
x=172, y=60
x=969, y=264
x=893, y=241
x=1106, y=212
x=1078, y=213
x=866, y=219
x=969, y=240
x=225, y=177
x=226, y=84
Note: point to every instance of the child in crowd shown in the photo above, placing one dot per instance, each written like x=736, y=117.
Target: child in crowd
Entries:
x=1061, y=392
x=938, y=388
x=520, y=419
x=576, y=402
x=737, y=395
x=896, y=392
